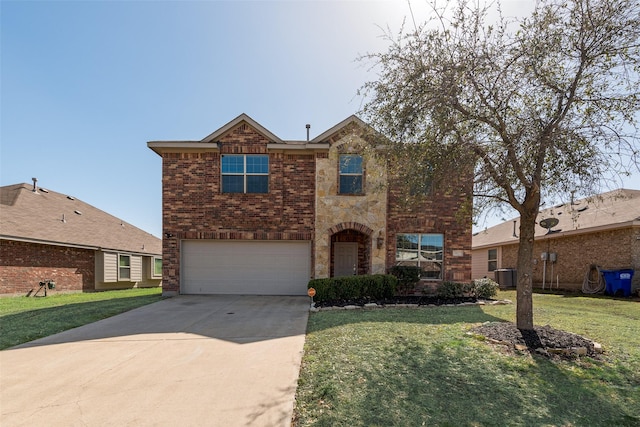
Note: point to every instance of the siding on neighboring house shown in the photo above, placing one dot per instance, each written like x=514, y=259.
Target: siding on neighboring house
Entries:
x=601, y=230
x=610, y=250
x=480, y=263
x=23, y=265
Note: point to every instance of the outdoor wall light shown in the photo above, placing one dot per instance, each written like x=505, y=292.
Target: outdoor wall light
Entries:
x=168, y=235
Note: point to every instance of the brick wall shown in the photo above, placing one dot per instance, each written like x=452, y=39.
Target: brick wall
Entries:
x=194, y=206
x=442, y=212
x=611, y=250
x=23, y=265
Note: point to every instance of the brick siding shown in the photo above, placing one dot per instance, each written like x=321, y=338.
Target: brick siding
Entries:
x=611, y=250
x=442, y=212
x=194, y=206
x=23, y=265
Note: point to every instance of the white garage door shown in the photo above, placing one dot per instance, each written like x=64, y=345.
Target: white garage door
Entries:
x=254, y=267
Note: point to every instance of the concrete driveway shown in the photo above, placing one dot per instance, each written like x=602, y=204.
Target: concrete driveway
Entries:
x=187, y=361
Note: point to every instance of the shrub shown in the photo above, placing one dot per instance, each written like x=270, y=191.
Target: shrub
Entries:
x=407, y=277
x=485, y=288
x=374, y=286
x=449, y=290
x=480, y=288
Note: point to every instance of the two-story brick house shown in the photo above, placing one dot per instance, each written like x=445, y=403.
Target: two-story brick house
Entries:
x=245, y=212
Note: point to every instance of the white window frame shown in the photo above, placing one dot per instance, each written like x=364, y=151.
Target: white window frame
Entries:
x=121, y=277
x=341, y=174
x=244, y=174
x=492, y=260
x=154, y=274
x=407, y=260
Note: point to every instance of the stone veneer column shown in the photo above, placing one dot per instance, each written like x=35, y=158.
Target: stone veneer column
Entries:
x=369, y=209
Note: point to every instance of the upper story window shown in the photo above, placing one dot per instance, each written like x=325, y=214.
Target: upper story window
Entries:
x=245, y=173
x=421, y=250
x=492, y=258
x=350, y=174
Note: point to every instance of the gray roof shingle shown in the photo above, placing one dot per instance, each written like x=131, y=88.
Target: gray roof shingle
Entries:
x=54, y=218
x=618, y=208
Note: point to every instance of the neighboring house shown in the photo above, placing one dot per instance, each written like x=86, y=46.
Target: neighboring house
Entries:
x=245, y=212
x=602, y=230
x=46, y=235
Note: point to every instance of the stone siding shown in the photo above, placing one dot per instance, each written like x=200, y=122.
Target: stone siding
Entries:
x=366, y=212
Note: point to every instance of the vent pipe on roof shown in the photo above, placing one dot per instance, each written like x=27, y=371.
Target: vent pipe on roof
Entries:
x=308, y=126
x=35, y=184
x=514, y=229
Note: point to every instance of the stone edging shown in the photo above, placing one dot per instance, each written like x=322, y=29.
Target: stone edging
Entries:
x=374, y=306
x=576, y=351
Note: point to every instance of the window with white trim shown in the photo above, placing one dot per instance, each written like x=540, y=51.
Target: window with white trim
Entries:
x=492, y=258
x=157, y=267
x=421, y=250
x=124, y=267
x=350, y=174
x=244, y=173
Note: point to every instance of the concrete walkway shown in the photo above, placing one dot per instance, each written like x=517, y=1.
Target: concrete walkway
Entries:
x=184, y=361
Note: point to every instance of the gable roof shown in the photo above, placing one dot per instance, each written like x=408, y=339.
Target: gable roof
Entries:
x=611, y=210
x=210, y=142
x=213, y=137
x=47, y=217
x=353, y=119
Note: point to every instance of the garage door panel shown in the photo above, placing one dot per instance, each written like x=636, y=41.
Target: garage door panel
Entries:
x=245, y=267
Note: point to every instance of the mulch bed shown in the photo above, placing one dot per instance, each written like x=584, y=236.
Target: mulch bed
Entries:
x=542, y=340
x=411, y=299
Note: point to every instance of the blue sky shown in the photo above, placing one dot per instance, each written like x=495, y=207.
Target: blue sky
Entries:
x=85, y=84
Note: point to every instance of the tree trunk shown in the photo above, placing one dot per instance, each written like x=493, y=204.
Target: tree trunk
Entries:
x=524, y=290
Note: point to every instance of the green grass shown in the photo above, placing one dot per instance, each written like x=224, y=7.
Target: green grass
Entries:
x=24, y=319
x=405, y=367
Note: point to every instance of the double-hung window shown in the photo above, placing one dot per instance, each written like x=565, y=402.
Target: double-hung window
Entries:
x=492, y=258
x=421, y=250
x=245, y=173
x=124, y=267
x=350, y=174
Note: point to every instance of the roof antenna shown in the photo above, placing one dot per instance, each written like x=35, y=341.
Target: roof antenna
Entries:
x=308, y=126
x=35, y=184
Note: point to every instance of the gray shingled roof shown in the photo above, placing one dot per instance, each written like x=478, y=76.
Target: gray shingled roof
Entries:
x=49, y=217
x=615, y=209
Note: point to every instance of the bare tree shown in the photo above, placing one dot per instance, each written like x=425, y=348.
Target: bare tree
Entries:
x=537, y=107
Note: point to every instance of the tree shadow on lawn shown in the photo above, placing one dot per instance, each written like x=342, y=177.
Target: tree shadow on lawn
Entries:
x=457, y=380
x=428, y=315
x=462, y=385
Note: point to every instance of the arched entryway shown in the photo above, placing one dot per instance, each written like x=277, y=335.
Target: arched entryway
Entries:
x=350, y=250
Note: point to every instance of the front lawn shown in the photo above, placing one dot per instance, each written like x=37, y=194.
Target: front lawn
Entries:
x=24, y=319
x=413, y=367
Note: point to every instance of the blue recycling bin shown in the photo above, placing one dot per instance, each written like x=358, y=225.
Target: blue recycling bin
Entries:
x=618, y=282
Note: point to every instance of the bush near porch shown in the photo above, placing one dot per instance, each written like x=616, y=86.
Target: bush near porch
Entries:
x=381, y=286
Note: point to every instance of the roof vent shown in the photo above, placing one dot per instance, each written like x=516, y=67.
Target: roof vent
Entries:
x=71, y=198
x=64, y=219
x=35, y=184
x=44, y=190
x=77, y=212
x=308, y=126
